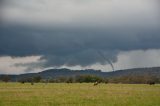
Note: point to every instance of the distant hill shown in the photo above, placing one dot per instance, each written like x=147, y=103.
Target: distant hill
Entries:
x=55, y=73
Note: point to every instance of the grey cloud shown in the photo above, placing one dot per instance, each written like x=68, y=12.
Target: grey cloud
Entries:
x=85, y=13
x=74, y=46
x=82, y=58
x=72, y=33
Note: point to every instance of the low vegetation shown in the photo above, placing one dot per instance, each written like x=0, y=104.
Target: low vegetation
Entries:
x=79, y=94
x=145, y=79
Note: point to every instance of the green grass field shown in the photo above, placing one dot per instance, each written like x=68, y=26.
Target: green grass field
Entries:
x=56, y=94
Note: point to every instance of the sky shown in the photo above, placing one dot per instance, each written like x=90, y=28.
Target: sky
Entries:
x=41, y=34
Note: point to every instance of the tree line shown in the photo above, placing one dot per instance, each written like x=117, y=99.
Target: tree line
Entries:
x=129, y=79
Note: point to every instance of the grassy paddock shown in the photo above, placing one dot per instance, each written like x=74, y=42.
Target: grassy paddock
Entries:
x=56, y=94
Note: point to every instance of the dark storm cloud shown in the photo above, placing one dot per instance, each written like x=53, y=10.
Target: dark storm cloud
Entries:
x=74, y=46
x=72, y=33
x=1, y=4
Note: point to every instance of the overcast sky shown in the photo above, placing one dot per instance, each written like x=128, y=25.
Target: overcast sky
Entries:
x=40, y=34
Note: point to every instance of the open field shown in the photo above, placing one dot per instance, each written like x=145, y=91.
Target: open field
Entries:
x=56, y=94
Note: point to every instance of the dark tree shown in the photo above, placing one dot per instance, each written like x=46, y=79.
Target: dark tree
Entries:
x=5, y=78
x=70, y=80
x=37, y=79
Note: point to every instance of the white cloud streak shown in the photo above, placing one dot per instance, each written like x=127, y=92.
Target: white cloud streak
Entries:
x=8, y=64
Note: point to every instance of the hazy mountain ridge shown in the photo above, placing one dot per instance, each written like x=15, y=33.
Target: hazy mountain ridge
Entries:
x=55, y=73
